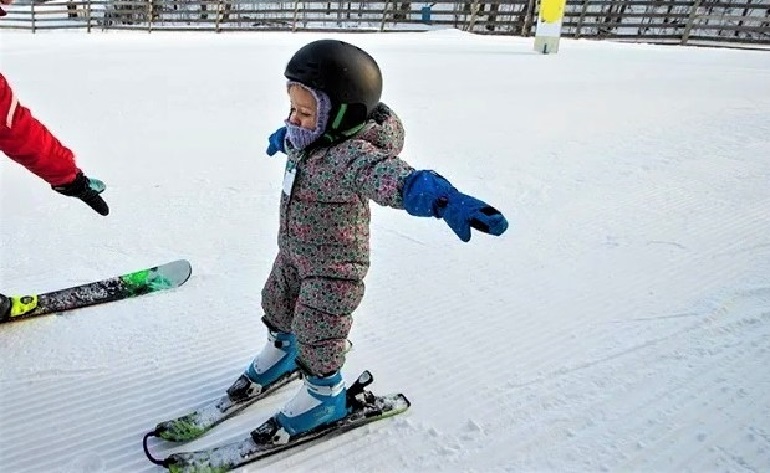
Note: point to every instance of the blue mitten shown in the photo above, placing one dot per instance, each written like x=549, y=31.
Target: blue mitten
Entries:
x=427, y=194
x=276, y=141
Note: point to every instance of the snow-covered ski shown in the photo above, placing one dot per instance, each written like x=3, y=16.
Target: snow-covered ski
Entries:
x=364, y=407
x=240, y=396
x=144, y=281
x=211, y=414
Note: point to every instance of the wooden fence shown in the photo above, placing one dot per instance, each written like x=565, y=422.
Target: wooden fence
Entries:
x=655, y=21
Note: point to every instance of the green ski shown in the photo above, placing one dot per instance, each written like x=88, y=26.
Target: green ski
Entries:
x=144, y=281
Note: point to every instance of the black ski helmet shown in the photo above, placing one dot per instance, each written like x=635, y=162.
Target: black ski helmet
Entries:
x=346, y=73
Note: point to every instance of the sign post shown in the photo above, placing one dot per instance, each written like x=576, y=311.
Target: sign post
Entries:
x=548, y=30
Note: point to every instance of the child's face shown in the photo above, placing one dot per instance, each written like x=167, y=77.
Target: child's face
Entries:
x=303, y=107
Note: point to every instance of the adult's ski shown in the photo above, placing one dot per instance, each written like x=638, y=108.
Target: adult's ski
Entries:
x=144, y=281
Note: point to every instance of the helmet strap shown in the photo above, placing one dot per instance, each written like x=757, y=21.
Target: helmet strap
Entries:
x=339, y=116
x=336, y=136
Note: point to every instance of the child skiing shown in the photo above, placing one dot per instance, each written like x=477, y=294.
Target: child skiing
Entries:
x=342, y=146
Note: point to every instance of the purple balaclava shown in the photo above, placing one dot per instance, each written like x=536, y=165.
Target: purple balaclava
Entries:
x=303, y=137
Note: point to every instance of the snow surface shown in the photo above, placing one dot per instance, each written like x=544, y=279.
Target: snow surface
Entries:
x=622, y=323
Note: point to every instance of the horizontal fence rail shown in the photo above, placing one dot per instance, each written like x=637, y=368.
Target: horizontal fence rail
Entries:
x=657, y=21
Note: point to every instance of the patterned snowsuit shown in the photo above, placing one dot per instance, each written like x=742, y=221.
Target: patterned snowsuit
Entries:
x=317, y=278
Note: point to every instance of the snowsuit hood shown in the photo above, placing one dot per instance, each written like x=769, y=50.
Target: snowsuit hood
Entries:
x=384, y=131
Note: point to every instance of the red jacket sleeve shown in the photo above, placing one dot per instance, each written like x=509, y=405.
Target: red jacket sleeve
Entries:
x=28, y=142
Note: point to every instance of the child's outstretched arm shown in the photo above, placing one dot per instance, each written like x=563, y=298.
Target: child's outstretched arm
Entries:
x=427, y=194
x=390, y=181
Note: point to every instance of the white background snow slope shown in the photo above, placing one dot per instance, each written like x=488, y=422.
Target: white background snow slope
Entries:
x=621, y=324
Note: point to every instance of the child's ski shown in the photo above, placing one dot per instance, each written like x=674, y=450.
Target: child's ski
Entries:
x=145, y=281
x=364, y=407
x=239, y=396
x=206, y=417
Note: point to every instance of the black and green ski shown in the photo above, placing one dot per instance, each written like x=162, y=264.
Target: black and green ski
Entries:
x=145, y=281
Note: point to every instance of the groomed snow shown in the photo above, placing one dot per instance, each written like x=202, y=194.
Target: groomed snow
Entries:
x=622, y=324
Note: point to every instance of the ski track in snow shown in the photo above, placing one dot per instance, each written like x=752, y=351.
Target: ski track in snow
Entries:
x=622, y=324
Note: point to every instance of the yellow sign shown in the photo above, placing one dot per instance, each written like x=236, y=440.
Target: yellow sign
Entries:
x=552, y=11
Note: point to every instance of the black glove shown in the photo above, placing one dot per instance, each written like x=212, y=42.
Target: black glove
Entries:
x=87, y=190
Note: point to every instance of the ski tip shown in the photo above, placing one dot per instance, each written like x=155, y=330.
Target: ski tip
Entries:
x=178, y=271
x=147, y=436
x=183, y=265
x=183, y=262
x=188, y=269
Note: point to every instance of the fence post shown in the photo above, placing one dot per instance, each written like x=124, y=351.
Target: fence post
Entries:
x=340, y=6
x=474, y=12
x=88, y=16
x=218, y=15
x=581, y=19
x=149, y=16
x=690, y=21
x=294, y=20
x=33, y=16
x=526, y=27
x=384, y=14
